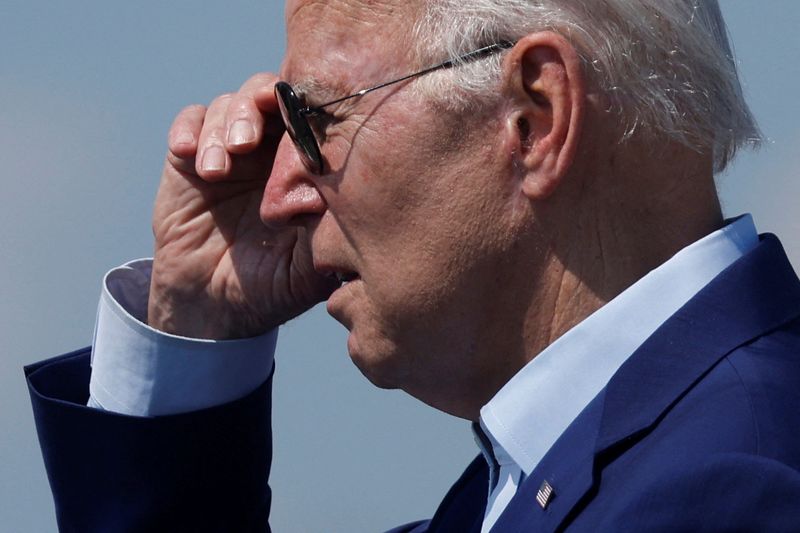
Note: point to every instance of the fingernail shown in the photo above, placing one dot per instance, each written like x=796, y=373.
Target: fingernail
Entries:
x=241, y=132
x=214, y=159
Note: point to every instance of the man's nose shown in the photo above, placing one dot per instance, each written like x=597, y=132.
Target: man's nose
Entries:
x=291, y=192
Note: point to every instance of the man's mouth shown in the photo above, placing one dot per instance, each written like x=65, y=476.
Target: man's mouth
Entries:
x=340, y=274
x=345, y=277
x=342, y=277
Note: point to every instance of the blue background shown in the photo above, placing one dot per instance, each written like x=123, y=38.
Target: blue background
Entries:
x=87, y=92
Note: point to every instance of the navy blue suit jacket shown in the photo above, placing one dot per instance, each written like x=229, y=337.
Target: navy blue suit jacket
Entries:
x=698, y=431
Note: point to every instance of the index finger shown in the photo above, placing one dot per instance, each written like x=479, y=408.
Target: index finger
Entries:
x=253, y=114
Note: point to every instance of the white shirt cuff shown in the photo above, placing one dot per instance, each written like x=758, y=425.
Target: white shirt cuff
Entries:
x=140, y=371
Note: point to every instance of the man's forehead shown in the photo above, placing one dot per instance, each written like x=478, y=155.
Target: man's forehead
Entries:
x=363, y=11
x=336, y=45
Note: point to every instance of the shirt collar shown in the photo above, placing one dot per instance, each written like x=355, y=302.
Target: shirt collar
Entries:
x=527, y=415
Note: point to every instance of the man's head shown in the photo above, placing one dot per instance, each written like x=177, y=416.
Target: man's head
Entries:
x=665, y=66
x=480, y=211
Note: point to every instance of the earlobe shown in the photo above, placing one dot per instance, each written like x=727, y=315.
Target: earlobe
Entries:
x=545, y=77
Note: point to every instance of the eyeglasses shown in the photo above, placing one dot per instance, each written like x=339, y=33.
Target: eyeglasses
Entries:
x=295, y=113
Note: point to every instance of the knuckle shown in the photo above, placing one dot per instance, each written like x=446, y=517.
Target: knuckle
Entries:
x=262, y=78
x=222, y=99
x=213, y=135
x=194, y=109
x=187, y=117
x=189, y=113
x=242, y=108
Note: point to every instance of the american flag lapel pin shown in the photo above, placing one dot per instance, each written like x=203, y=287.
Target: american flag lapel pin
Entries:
x=545, y=494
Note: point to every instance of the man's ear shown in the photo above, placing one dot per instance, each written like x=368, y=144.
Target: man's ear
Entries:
x=546, y=84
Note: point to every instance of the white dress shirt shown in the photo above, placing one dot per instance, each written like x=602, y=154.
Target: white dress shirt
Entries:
x=526, y=417
x=137, y=370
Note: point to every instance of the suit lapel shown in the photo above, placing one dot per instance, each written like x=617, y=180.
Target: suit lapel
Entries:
x=463, y=507
x=568, y=470
x=756, y=294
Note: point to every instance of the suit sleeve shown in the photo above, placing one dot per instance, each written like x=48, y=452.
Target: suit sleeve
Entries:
x=200, y=471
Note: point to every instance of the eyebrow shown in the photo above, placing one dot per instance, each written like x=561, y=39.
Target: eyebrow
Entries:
x=314, y=92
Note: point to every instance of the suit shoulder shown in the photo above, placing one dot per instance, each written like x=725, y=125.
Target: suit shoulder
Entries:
x=768, y=370
x=726, y=492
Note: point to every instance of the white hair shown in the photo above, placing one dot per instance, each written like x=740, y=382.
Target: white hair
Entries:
x=665, y=65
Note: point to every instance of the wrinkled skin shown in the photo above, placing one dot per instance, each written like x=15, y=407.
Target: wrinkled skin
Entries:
x=470, y=241
x=219, y=272
x=409, y=207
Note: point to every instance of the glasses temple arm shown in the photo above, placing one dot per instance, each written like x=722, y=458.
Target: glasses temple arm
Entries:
x=466, y=58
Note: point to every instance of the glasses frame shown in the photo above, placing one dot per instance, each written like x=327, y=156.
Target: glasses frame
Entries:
x=295, y=114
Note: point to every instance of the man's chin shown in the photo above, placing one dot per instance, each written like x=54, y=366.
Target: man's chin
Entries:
x=380, y=367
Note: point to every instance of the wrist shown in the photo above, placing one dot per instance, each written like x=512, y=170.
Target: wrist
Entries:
x=193, y=314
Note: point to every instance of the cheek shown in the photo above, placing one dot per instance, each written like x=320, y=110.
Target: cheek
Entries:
x=348, y=142
x=421, y=218
x=382, y=192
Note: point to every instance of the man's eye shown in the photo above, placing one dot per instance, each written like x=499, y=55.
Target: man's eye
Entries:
x=320, y=123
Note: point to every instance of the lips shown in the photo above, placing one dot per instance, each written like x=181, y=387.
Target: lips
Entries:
x=341, y=274
x=345, y=277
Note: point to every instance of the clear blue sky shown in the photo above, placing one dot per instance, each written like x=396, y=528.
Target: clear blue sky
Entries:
x=87, y=92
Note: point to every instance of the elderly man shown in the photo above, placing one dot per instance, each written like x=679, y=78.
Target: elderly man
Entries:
x=526, y=236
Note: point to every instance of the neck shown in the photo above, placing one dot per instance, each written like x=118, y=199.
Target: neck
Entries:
x=606, y=228
x=623, y=223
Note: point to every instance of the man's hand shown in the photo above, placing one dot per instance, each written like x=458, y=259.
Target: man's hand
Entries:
x=219, y=272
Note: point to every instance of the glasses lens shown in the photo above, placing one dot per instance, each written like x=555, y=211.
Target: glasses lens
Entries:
x=297, y=127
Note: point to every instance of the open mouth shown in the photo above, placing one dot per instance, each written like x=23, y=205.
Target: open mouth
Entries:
x=338, y=272
x=345, y=277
